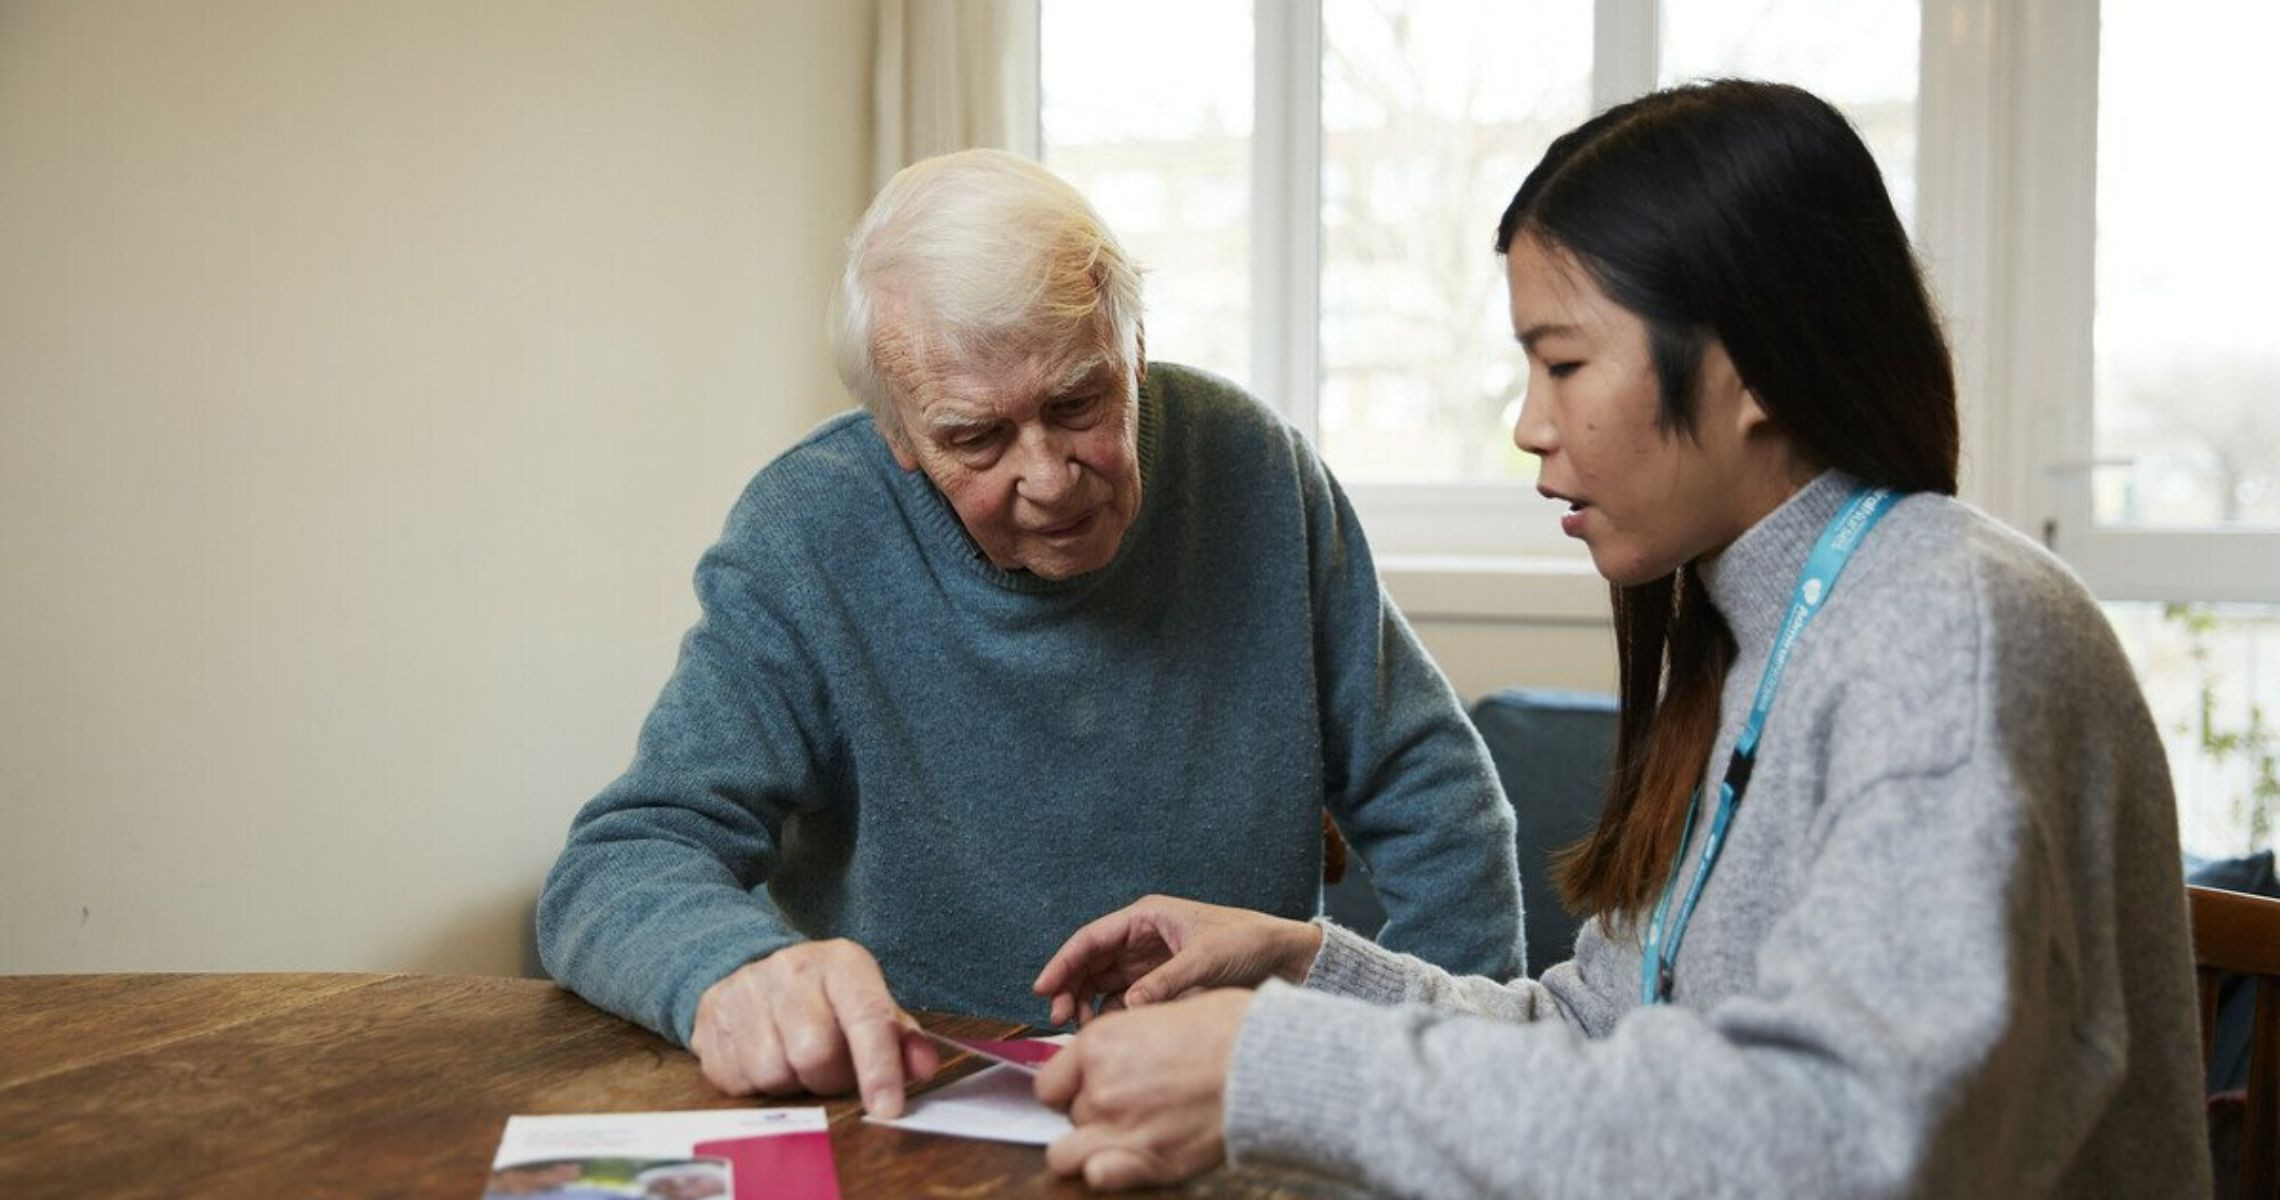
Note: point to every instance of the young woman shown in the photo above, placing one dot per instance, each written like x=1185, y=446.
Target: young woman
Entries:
x=1885, y=892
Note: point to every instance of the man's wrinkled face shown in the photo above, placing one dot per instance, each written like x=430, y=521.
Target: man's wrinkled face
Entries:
x=1036, y=445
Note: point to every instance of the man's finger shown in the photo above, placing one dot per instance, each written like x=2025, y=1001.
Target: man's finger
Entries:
x=814, y=1049
x=873, y=1028
x=921, y=1057
x=760, y=1056
x=717, y=1058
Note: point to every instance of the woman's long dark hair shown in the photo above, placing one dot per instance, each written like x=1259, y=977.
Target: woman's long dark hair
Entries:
x=1750, y=213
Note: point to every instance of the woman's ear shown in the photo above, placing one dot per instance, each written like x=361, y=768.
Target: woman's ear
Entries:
x=1725, y=396
x=1753, y=414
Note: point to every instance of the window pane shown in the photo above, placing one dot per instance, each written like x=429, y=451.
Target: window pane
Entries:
x=1859, y=55
x=2187, y=400
x=2212, y=678
x=1147, y=110
x=1432, y=113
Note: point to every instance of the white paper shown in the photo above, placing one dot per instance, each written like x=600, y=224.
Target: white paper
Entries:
x=996, y=1105
x=645, y=1135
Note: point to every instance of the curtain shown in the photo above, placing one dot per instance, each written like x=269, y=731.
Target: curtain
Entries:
x=952, y=75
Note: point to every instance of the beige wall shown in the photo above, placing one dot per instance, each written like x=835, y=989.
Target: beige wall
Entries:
x=1481, y=656
x=371, y=376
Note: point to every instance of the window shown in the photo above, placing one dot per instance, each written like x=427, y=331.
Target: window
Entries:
x=2211, y=674
x=2084, y=182
x=2186, y=377
x=2126, y=367
x=1860, y=55
x=1426, y=128
x=1165, y=153
x=2169, y=491
x=1402, y=128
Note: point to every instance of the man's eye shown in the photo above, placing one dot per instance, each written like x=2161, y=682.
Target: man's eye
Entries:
x=1561, y=370
x=1074, y=406
x=971, y=443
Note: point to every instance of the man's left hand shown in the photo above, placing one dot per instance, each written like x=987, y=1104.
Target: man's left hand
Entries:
x=1146, y=1089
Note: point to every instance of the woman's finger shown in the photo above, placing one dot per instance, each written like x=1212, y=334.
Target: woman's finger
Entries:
x=1092, y=948
x=1059, y=1080
x=1115, y=1168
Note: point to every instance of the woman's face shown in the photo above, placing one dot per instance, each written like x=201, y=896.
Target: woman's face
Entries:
x=1644, y=499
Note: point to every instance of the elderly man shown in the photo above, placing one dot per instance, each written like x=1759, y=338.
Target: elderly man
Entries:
x=1048, y=628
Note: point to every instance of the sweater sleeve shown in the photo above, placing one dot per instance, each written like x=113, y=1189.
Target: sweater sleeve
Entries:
x=661, y=891
x=1902, y=1004
x=1406, y=775
x=1352, y=966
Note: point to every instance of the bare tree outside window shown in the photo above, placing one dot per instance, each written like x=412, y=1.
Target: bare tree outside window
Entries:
x=1860, y=55
x=1147, y=111
x=2187, y=408
x=1430, y=119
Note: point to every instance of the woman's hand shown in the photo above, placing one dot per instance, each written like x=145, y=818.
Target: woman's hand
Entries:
x=1159, y=948
x=1146, y=1090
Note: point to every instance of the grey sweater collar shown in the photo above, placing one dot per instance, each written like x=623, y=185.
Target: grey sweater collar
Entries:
x=1750, y=583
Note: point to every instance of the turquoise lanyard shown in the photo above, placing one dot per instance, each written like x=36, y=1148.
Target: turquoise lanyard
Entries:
x=1658, y=959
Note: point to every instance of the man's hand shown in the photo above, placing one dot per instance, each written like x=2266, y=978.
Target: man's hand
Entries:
x=1158, y=948
x=1146, y=1090
x=814, y=1017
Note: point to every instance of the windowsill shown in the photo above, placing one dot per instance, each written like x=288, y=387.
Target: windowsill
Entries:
x=1514, y=590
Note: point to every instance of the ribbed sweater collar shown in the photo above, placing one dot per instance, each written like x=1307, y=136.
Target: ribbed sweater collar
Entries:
x=1750, y=583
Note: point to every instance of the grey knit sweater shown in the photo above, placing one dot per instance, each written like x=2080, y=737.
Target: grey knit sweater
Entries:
x=1944, y=952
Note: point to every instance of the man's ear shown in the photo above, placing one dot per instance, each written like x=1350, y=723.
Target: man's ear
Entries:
x=898, y=443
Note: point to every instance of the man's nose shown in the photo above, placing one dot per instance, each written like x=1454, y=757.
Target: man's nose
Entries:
x=1048, y=472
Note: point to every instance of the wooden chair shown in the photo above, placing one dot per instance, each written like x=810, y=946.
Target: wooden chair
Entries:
x=2239, y=934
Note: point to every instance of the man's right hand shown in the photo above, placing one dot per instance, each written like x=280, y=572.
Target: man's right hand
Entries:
x=813, y=1017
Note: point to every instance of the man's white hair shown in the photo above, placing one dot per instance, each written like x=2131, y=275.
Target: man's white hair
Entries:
x=974, y=251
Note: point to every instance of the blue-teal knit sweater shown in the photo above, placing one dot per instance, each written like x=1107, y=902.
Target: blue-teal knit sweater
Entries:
x=874, y=733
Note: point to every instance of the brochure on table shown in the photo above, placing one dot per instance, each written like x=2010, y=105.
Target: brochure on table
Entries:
x=732, y=1154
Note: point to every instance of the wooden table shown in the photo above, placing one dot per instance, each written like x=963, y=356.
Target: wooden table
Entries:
x=318, y=1086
